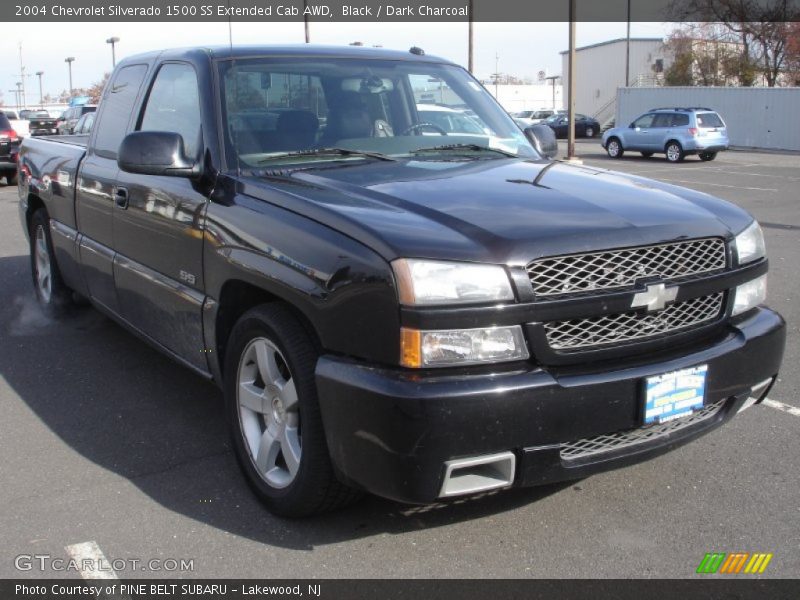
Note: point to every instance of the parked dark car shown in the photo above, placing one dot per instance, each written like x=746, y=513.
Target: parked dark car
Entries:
x=84, y=124
x=41, y=123
x=418, y=316
x=9, y=150
x=67, y=122
x=584, y=126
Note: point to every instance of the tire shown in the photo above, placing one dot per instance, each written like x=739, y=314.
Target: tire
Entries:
x=674, y=152
x=589, y=132
x=647, y=154
x=52, y=293
x=279, y=442
x=11, y=178
x=707, y=156
x=614, y=148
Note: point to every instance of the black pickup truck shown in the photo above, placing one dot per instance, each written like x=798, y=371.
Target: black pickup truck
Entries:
x=389, y=306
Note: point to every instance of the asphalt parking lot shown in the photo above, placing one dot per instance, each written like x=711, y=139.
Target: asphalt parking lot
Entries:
x=104, y=440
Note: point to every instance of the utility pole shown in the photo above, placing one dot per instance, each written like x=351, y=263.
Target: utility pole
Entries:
x=628, y=49
x=571, y=85
x=113, y=41
x=471, y=41
x=306, y=23
x=22, y=78
x=41, y=94
x=69, y=60
x=19, y=96
x=16, y=96
x=552, y=79
x=496, y=74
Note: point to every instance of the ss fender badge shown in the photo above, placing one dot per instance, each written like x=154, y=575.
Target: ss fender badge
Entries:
x=187, y=277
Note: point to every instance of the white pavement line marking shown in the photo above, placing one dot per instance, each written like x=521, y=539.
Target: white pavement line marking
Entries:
x=782, y=407
x=739, y=187
x=91, y=561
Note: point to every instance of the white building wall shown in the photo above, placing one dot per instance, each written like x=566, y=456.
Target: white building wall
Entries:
x=600, y=70
x=756, y=117
x=515, y=98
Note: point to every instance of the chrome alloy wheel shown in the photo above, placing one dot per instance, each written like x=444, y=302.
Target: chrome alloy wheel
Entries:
x=613, y=148
x=44, y=275
x=269, y=412
x=673, y=152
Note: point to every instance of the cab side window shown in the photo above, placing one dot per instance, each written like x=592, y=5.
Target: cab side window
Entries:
x=118, y=101
x=174, y=105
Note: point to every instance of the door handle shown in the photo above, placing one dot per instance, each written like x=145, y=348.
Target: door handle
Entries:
x=121, y=197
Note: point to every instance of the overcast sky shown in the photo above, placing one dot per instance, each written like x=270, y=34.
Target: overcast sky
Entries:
x=523, y=48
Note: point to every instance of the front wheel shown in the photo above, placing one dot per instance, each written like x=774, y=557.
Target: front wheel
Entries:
x=12, y=178
x=274, y=417
x=51, y=291
x=707, y=156
x=614, y=148
x=674, y=152
x=590, y=132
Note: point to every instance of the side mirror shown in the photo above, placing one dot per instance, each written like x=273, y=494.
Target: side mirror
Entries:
x=543, y=139
x=156, y=153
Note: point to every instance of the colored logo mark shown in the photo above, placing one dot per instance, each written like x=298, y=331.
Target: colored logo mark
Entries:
x=734, y=563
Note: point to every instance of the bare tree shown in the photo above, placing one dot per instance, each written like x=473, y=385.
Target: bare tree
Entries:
x=759, y=28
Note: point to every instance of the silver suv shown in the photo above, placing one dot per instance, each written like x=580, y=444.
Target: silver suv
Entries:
x=676, y=132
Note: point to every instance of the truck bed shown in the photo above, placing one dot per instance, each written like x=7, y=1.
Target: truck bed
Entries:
x=53, y=162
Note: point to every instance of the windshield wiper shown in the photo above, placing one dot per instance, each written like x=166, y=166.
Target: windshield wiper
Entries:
x=326, y=152
x=472, y=147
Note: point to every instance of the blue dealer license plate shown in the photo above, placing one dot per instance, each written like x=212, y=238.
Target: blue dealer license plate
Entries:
x=674, y=395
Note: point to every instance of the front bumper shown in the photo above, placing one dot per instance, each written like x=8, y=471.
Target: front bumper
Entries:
x=392, y=431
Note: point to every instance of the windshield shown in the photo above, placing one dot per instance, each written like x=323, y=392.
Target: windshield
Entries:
x=274, y=107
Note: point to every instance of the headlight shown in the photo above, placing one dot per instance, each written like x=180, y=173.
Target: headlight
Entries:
x=749, y=295
x=750, y=244
x=427, y=282
x=461, y=346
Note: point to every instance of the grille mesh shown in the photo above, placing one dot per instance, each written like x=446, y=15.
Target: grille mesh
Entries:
x=623, y=327
x=597, y=271
x=615, y=441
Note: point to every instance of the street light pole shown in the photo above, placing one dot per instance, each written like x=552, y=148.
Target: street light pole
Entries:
x=69, y=60
x=41, y=95
x=113, y=41
x=19, y=96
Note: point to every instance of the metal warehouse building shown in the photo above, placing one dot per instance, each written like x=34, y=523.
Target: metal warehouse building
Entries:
x=600, y=70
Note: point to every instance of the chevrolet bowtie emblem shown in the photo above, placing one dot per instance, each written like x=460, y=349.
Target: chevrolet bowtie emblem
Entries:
x=655, y=297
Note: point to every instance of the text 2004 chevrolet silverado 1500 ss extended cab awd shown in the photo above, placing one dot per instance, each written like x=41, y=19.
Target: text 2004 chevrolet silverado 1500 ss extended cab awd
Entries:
x=389, y=306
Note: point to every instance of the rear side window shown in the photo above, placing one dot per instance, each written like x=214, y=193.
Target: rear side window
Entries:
x=679, y=120
x=118, y=102
x=88, y=109
x=709, y=120
x=662, y=120
x=5, y=124
x=174, y=105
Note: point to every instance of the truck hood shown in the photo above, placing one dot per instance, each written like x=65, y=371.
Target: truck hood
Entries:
x=506, y=211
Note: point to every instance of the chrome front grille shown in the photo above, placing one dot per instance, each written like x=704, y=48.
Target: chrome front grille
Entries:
x=579, y=334
x=615, y=441
x=614, y=269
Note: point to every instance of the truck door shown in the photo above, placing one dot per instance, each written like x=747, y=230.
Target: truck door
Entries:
x=94, y=197
x=158, y=229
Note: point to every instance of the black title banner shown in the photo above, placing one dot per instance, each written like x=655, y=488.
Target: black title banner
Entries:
x=401, y=10
x=429, y=589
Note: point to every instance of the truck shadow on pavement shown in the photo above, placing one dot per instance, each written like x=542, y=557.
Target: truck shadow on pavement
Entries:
x=132, y=411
